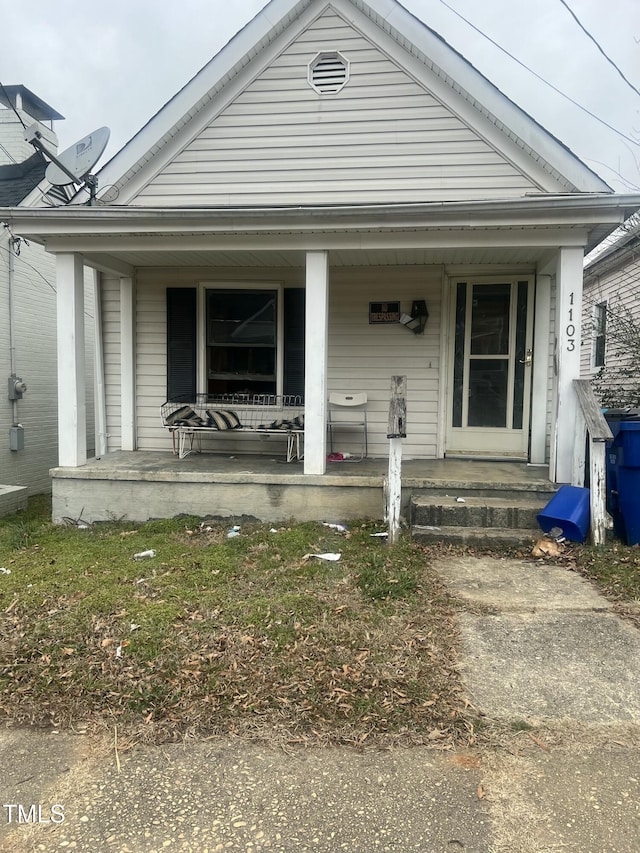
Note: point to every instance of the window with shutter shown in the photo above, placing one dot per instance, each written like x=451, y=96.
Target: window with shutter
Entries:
x=254, y=340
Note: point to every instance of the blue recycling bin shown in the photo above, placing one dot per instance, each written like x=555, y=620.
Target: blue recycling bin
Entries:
x=626, y=449
x=614, y=418
x=569, y=510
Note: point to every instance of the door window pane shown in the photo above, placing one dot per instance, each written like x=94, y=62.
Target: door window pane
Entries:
x=520, y=365
x=490, y=323
x=488, y=392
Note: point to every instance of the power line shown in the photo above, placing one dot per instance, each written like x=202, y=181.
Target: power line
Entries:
x=588, y=34
x=539, y=77
x=8, y=153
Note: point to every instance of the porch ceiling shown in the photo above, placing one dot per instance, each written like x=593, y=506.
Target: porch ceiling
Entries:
x=512, y=256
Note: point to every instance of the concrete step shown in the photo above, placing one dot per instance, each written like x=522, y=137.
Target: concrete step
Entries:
x=486, y=536
x=12, y=499
x=476, y=511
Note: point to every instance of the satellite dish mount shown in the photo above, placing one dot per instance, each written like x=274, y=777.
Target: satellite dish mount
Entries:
x=72, y=166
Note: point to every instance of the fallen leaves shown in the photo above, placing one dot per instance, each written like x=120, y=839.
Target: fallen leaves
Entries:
x=282, y=646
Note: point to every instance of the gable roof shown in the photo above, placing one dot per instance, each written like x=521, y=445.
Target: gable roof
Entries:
x=18, y=179
x=161, y=137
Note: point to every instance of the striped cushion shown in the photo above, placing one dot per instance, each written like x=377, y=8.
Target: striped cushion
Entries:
x=296, y=424
x=184, y=416
x=222, y=419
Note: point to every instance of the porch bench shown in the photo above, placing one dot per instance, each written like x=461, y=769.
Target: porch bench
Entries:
x=228, y=415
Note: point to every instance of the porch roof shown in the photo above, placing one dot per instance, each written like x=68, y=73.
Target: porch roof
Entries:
x=512, y=231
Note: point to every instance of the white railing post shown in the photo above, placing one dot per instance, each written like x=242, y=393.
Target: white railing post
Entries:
x=591, y=423
x=579, y=449
x=598, y=492
x=396, y=431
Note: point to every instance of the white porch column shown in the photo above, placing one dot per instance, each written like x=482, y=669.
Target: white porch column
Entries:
x=127, y=364
x=315, y=362
x=540, y=377
x=568, y=337
x=72, y=407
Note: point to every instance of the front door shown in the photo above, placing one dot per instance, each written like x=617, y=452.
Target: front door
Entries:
x=490, y=368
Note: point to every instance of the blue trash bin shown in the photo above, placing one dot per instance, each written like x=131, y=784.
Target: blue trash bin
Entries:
x=626, y=446
x=570, y=511
x=614, y=418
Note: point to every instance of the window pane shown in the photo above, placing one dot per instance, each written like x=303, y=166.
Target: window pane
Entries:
x=488, y=392
x=241, y=317
x=600, y=329
x=241, y=341
x=520, y=356
x=490, y=325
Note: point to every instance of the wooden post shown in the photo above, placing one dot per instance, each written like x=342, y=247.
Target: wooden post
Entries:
x=591, y=421
x=598, y=495
x=396, y=431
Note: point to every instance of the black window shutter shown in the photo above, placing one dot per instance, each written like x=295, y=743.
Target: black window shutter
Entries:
x=294, y=302
x=181, y=343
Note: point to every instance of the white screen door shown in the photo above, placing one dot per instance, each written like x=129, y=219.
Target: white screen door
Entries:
x=490, y=368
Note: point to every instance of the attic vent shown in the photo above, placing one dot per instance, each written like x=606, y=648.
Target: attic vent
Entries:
x=328, y=73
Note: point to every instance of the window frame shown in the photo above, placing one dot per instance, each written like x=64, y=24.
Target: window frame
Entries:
x=599, y=337
x=201, y=356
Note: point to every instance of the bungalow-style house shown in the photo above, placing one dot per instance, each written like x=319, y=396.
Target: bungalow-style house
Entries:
x=28, y=418
x=337, y=198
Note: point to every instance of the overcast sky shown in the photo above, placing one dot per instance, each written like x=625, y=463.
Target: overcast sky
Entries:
x=116, y=63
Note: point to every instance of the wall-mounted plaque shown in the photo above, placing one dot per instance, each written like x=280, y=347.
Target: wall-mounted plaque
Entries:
x=384, y=312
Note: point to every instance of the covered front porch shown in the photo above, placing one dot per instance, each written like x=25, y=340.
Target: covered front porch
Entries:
x=141, y=485
x=489, y=376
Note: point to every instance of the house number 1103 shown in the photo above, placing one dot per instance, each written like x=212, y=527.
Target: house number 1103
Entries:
x=570, y=329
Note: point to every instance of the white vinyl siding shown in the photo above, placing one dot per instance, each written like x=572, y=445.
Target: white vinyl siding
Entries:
x=619, y=287
x=34, y=306
x=382, y=138
x=362, y=357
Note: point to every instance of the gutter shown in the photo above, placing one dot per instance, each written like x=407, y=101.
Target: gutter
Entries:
x=591, y=202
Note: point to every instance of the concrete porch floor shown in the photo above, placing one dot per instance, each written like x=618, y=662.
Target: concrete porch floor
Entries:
x=142, y=485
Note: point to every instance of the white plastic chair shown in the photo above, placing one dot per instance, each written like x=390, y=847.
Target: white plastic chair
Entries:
x=348, y=412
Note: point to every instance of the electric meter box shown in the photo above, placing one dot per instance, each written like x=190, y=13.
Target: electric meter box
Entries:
x=16, y=437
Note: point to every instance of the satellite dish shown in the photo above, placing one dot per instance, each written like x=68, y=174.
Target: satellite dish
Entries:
x=78, y=159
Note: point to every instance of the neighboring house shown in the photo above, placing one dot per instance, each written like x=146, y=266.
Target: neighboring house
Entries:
x=28, y=420
x=611, y=319
x=335, y=157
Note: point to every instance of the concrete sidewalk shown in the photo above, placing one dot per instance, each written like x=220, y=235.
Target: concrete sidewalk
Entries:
x=544, y=658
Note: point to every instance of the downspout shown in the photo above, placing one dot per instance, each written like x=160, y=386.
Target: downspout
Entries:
x=12, y=349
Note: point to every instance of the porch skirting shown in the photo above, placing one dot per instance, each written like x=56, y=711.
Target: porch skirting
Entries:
x=139, y=486
x=161, y=487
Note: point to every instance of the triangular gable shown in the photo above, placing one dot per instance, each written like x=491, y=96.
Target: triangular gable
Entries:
x=403, y=128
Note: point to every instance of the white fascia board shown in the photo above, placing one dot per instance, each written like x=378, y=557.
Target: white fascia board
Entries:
x=279, y=241
x=104, y=223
